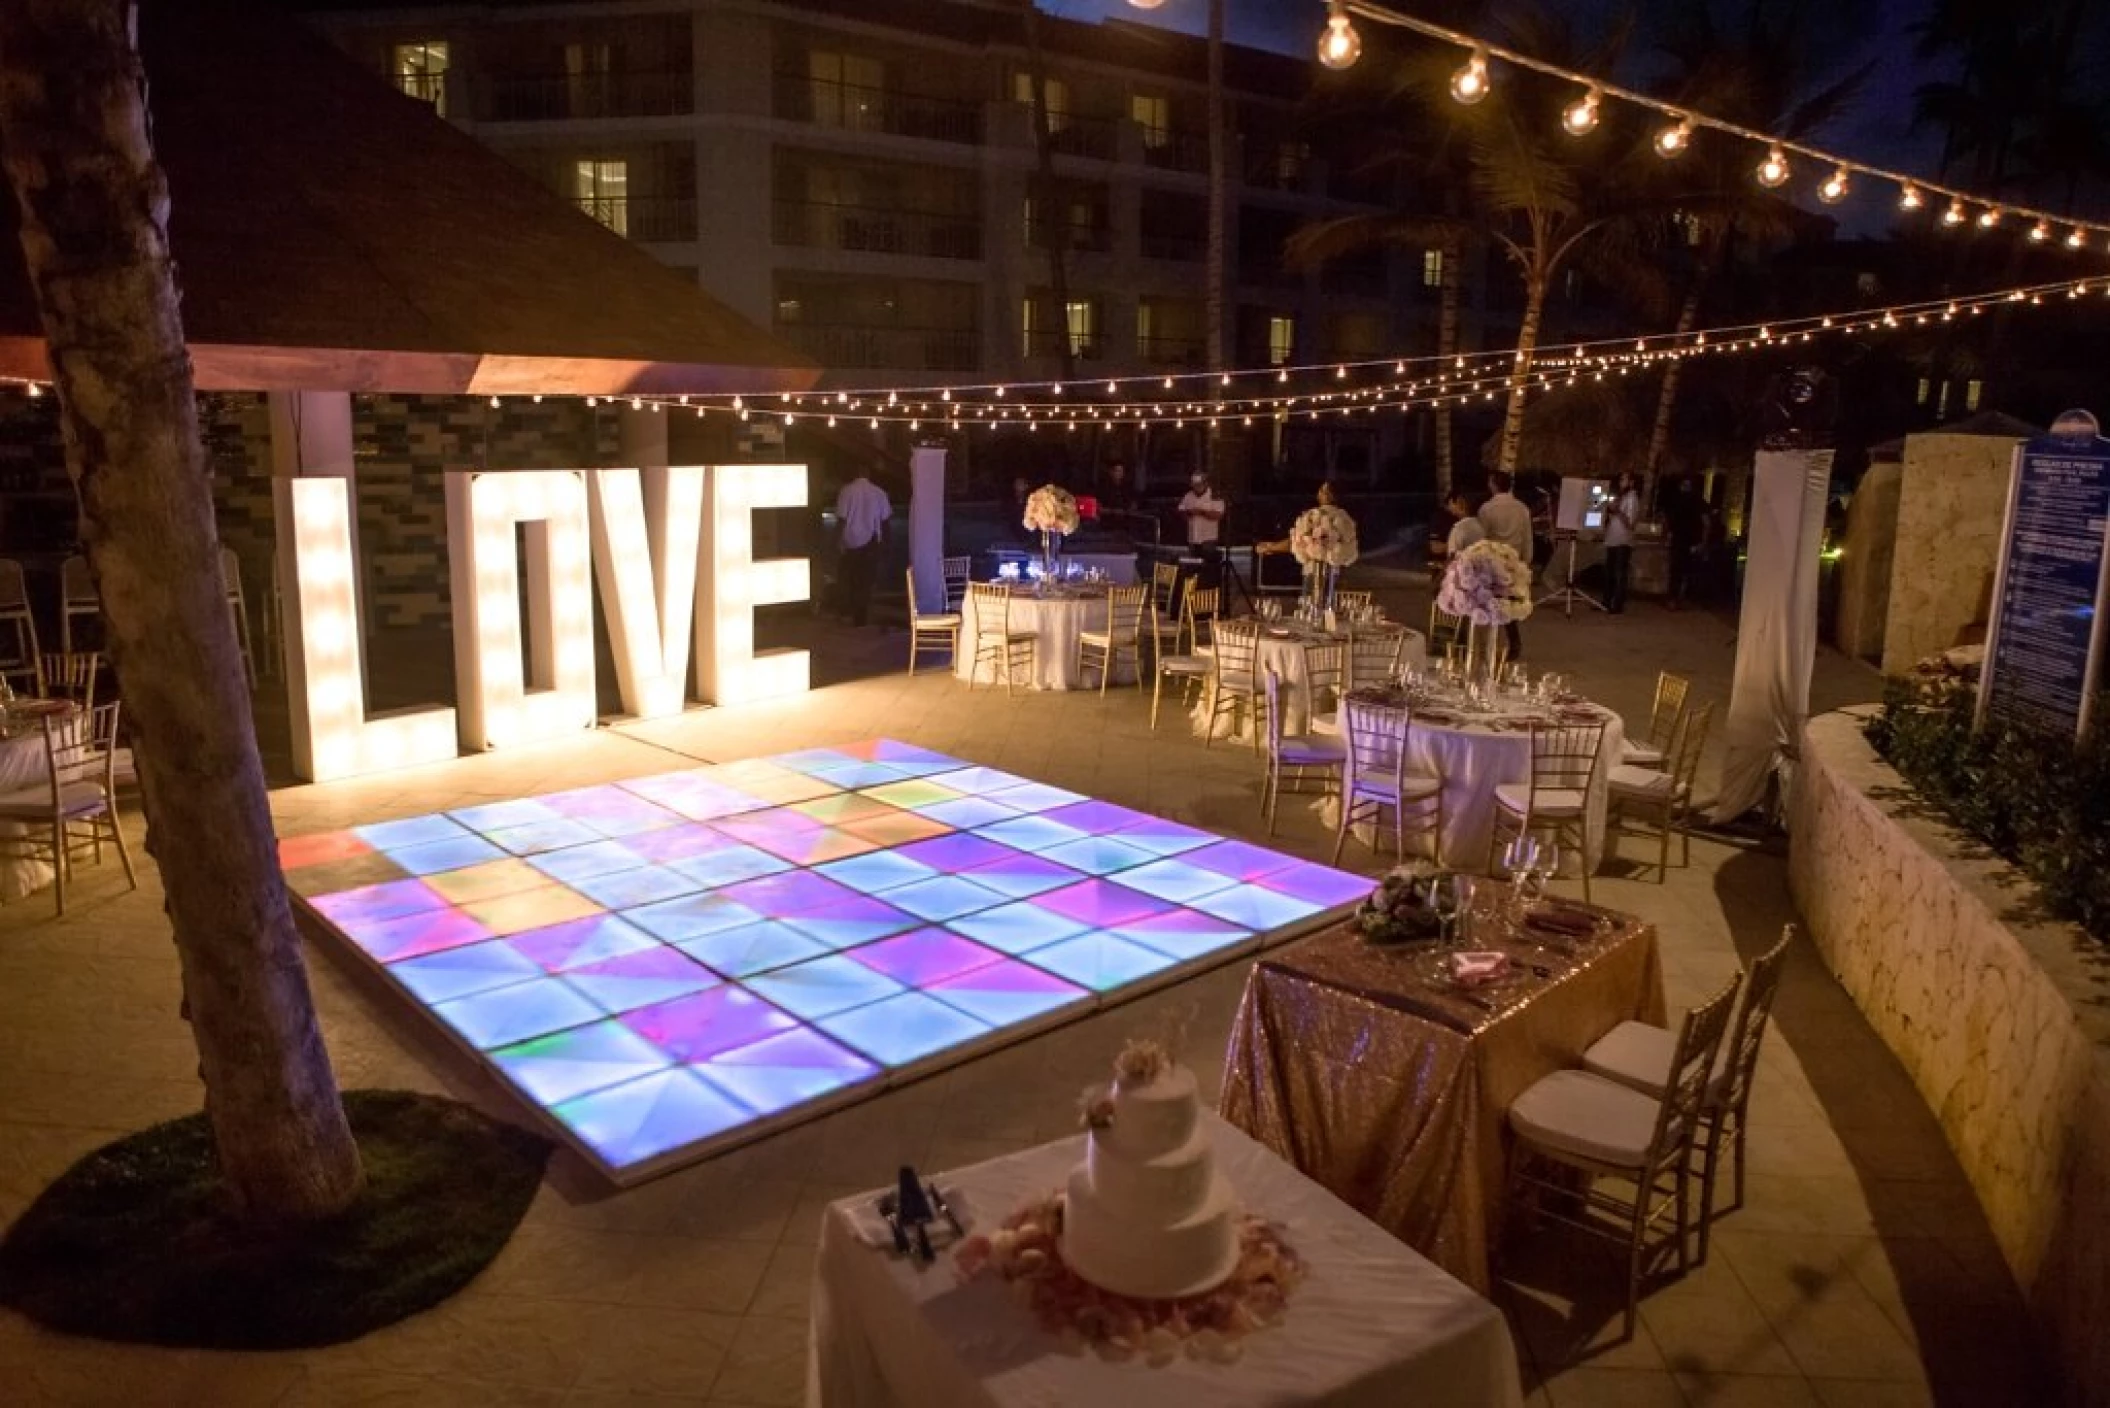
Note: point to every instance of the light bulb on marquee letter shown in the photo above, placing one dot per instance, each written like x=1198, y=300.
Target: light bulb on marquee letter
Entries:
x=647, y=528
x=733, y=584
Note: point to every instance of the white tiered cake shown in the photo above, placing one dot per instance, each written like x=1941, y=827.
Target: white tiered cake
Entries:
x=1147, y=1214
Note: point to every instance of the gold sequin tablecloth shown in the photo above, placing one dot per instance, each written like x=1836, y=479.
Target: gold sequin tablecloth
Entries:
x=1369, y=1072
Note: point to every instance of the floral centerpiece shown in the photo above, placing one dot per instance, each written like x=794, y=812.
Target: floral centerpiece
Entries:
x=1490, y=586
x=1051, y=511
x=1323, y=542
x=1399, y=909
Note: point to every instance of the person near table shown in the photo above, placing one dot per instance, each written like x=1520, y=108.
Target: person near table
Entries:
x=862, y=508
x=1466, y=528
x=1116, y=494
x=1620, y=516
x=1685, y=520
x=1506, y=520
x=1204, y=512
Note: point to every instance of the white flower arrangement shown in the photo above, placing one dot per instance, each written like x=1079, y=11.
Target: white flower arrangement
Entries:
x=1323, y=537
x=1487, y=584
x=1050, y=509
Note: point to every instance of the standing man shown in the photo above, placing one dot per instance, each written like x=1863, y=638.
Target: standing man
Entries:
x=1505, y=519
x=1619, y=519
x=1204, y=513
x=863, y=510
x=1685, y=517
x=1116, y=494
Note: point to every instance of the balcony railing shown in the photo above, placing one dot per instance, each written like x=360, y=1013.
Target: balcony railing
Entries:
x=1176, y=149
x=563, y=96
x=853, y=107
x=651, y=220
x=1171, y=351
x=1047, y=343
x=1096, y=137
x=1084, y=236
x=895, y=348
x=1186, y=248
x=828, y=225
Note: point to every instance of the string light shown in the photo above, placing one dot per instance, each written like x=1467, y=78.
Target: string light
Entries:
x=1672, y=141
x=1954, y=214
x=1989, y=217
x=1580, y=116
x=1773, y=171
x=2076, y=239
x=1909, y=197
x=1340, y=46
x=1469, y=84
x=1835, y=187
x=2039, y=232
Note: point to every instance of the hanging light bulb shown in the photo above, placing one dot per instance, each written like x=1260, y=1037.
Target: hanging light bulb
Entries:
x=2076, y=239
x=1954, y=214
x=1909, y=197
x=1469, y=84
x=1580, y=116
x=1339, y=46
x=1989, y=217
x=1671, y=142
x=1835, y=186
x=1773, y=171
x=1145, y=4
x=2039, y=232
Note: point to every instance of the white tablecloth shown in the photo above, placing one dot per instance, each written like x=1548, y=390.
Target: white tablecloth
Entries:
x=1286, y=655
x=23, y=763
x=1374, y=1323
x=1056, y=623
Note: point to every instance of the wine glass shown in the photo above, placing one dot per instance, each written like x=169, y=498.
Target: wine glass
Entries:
x=1548, y=868
x=1519, y=858
x=1445, y=899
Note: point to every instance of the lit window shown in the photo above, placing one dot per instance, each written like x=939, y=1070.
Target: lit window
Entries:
x=1146, y=329
x=421, y=71
x=1432, y=268
x=1941, y=406
x=1972, y=390
x=1926, y=388
x=847, y=90
x=1290, y=161
x=1153, y=113
x=1083, y=325
x=1058, y=98
x=602, y=190
x=1281, y=339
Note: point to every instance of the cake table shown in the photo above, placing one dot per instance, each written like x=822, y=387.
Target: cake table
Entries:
x=1373, y=1323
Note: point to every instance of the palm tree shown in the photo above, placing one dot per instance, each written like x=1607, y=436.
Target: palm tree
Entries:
x=75, y=138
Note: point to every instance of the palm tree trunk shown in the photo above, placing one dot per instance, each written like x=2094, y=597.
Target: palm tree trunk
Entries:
x=1048, y=202
x=73, y=116
x=1449, y=293
x=1667, y=392
x=1520, y=372
x=1214, y=255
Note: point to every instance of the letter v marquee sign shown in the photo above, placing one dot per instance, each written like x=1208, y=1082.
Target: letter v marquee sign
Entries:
x=671, y=548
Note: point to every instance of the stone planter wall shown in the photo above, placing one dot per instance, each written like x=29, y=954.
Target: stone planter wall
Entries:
x=2002, y=1020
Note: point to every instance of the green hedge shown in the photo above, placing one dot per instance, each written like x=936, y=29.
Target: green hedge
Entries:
x=2032, y=798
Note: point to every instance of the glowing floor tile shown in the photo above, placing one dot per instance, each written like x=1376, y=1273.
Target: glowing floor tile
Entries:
x=1097, y=818
x=1101, y=903
x=876, y=871
x=920, y=793
x=435, y=856
x=780, y=1072
x=754, y=827
x=946, y=897
x=1184, y=933
x=537, y=837
x=506, y=1015
x=1037, y=797
x=1099, y=855
x=411, y=934
x=1176, y=880
x=791, y=787
x=1101, y=962
x=730, y=866
x=1256, y=908
x=656, y=974
x=459, y=972
x=849, y=774
x=897, y=830
x=626, y=889
x=487, y=881
x=692, y=795
x=788, y=892
x=1321, y=884
x=570, y=1063
x=691, y=917
x=1165, y=838
x=1031, y=833
x=581, y=941
x=952, y=854
x=853, y=922
x=610, y=810
x=672, y=843
x=813, y=847
x=578, y=862
x=629, y=1123
x=968, y=812
x=369, y=902
x=534, y=909
x=921, y=958
x=979, y=781
x=1006, y=992
x=841, y=807
x=299, y=851
x=887, y=750
x=902, y=1029
x=823, y=987
x=1240, y=860
x=1017, y=928
x=498, y=816
x=753, y=948
x=1020, y=876
x=413, y=831
x=698, y=1027
x=813, y=760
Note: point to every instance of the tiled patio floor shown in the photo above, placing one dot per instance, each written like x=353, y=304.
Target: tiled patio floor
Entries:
x=1860, y=1273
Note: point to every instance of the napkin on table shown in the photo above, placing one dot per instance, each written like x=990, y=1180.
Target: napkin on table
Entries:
x=1475, y=967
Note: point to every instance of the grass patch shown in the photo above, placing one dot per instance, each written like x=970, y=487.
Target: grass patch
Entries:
x=135, y=1242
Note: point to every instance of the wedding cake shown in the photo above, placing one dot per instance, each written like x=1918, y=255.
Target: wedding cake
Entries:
x=1146, y=1213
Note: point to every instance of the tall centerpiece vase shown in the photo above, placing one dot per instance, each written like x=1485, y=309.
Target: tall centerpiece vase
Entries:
x=1050, y=549
x=1484, y=649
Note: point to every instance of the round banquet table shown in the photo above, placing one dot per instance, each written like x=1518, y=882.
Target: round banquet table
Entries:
x=1056, y=621
x=1282, y=647
x=23, y=763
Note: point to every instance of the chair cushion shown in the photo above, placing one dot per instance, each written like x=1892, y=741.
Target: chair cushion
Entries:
x=1185, y=665
x=1585, y=1115
x=940, y=621
x=1552, y=801
x=1414, y=787
x=34, y=803
x=1306, y=751
x=1638, y=1055
x=1631, y=781
x=1328, y=722
x=1646, y=755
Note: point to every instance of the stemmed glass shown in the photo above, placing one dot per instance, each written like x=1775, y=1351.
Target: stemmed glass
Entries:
x=1520, y=858
x=1548, y=867
x=1445, y=898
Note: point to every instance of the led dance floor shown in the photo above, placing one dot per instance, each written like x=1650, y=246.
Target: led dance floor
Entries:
x=670, y=966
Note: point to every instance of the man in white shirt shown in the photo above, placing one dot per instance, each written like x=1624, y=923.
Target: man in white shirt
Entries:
x=1621, y=514
x=1506, y=520
x=862, y=508
x=1203, y=511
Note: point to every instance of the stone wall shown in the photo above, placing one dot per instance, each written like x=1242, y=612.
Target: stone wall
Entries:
x=1950, y=514
x=2002, y=1020
x=1865, y=564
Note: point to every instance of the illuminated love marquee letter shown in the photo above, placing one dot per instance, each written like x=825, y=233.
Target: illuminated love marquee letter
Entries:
x=733, y=584
x=500, y=702
x=646, y=530
x=332, y=735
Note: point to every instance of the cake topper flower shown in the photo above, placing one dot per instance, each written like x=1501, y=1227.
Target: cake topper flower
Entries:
x=1140, y=1063
x=1095, y=1108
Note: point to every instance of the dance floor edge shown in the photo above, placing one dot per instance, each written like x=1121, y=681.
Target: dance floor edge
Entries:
x=667, y=967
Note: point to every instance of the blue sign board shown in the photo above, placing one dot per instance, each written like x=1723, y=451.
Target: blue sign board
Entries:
x=2044, y=648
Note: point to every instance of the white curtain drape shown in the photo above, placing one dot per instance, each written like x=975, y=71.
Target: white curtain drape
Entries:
x=1776, y=645
x=926, y=525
